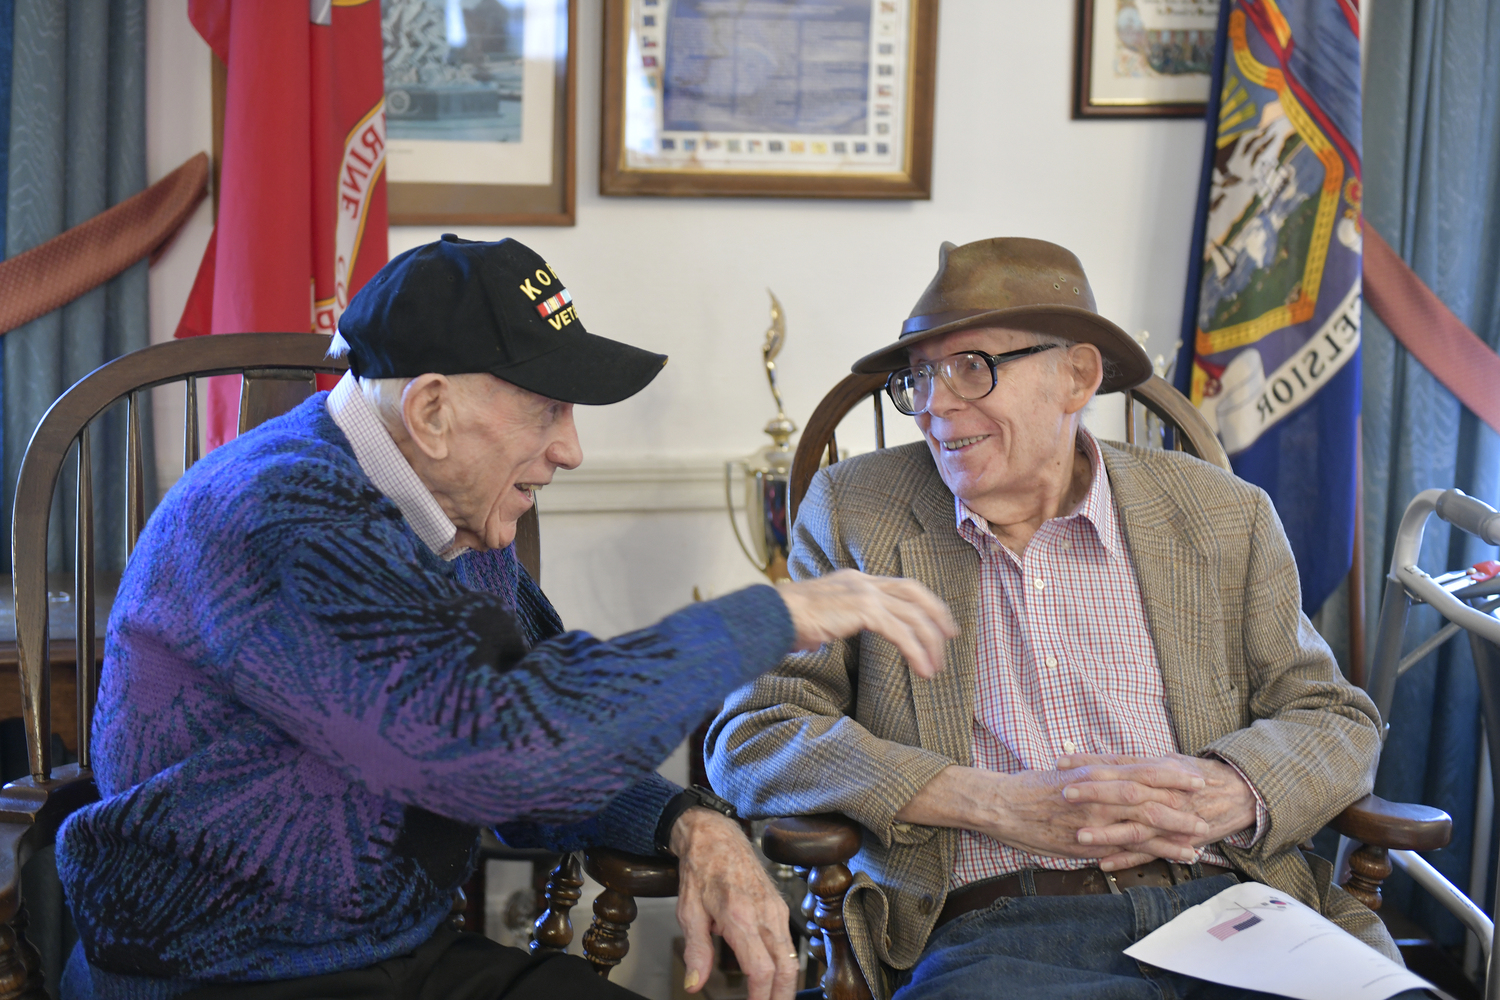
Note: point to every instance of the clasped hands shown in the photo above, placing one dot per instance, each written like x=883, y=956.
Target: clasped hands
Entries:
x=1122, y=810
x=1126, y=811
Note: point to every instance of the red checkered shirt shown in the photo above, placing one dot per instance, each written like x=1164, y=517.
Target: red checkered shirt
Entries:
x=1066, y=662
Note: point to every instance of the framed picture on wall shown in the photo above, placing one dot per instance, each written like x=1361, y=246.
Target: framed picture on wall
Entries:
x=1144, y=58
x=479, y=101
x=826, y=99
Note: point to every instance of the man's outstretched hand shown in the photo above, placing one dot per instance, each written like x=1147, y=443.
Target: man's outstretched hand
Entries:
x=847, y=602
x=722, y=889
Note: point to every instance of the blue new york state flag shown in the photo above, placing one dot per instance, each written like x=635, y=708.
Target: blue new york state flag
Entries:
x=1271, y=324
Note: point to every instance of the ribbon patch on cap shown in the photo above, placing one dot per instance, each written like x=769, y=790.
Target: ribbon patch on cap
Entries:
x=552, y=305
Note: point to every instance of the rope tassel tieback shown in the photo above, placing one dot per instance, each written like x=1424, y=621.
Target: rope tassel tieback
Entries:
x=51, y=275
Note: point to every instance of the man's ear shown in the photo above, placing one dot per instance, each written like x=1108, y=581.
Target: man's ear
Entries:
x=427, y=411
x=1086, y=366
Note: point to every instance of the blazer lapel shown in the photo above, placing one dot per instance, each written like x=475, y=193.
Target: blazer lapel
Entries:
x=949, y=567
x=1172, y=559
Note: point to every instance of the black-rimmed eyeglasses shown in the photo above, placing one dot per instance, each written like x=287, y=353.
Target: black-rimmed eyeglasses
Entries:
x=970, y=376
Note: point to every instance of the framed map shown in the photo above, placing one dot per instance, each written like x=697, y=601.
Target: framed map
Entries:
x=1144, y=58
x=479, y=111
x=799, y=98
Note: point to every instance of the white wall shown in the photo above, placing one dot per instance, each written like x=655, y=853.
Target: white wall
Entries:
x=179, y=125
x=687, y=277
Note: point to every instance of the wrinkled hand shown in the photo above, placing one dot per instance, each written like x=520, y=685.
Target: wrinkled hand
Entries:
x=1029, y=810
x=1223, y=801
x=846, y=602
x=1141, y=806
x=722, y=889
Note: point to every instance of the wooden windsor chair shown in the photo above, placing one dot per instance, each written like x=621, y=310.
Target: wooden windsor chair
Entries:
x=278, y=370
x=1156, y=415
x=820, y=848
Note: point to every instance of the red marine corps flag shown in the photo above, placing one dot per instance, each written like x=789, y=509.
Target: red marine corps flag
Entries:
x=302, y=216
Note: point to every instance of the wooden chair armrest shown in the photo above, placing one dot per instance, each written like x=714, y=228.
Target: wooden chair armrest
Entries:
x=30, y=813
x=624, y=877
x=1403, y=826
x=821, y=847
x=812, y=841
x=631, y=874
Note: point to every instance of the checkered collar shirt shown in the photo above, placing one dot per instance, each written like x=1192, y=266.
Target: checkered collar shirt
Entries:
x=1066, y=663
x=389, y=470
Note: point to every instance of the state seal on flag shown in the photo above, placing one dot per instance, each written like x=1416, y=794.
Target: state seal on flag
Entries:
x=1278, y=302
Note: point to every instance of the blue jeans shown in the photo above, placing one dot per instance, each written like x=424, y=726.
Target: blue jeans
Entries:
x=1066, y=947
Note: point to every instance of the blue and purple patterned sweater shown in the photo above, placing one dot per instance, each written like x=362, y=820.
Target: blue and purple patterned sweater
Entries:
x=305, y=716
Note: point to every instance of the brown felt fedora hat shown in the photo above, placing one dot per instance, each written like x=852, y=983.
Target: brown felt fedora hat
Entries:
x=1019, y=284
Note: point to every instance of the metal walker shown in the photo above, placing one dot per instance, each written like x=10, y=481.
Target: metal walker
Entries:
x=1468, y=600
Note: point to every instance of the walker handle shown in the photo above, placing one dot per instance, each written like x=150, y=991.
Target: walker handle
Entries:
x=1472, y=515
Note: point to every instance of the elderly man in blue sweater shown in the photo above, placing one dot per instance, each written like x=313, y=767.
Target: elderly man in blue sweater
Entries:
x=325, y=671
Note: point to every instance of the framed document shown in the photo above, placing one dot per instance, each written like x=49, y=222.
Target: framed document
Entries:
x=1144, y=58
x=793, y=98
x=479, y=111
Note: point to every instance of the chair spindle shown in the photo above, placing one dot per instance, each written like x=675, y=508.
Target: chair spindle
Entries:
x=833, y=448
x=607, y=941
x=879, y=419
x=553, y=930
x=135, y=474
x=190, y=424
x=85, y=669
x=1129, y=417
x=843, y=980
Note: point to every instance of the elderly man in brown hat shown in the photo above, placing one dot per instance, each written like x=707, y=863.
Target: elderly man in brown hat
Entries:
x=1136, y=713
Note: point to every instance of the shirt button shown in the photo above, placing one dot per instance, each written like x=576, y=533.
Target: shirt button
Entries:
x=1069, y=746
x=1051, y=661
x=1064, y=545
x=1039, y=583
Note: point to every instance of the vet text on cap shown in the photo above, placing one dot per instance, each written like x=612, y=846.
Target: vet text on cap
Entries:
x=460, y=306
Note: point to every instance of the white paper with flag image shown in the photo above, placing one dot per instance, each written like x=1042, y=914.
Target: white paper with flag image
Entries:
x=1259, y=938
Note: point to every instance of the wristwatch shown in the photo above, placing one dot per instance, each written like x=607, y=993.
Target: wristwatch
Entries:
x=688, y=798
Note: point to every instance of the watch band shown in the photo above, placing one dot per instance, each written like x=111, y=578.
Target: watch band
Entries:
x=688, y=798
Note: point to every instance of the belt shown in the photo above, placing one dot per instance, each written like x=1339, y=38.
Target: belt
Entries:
x=1082, y=882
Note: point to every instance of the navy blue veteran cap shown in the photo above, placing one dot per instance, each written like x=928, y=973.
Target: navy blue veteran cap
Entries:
x=461, y=306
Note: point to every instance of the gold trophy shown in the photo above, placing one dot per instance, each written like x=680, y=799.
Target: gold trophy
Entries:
x=765, y=475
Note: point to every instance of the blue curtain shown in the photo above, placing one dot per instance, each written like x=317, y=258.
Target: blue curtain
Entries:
x=72, y=143
x=1432, y=189
x=7, y=20
x=77, y=145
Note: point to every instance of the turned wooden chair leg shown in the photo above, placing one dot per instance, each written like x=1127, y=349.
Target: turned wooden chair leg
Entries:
x=607, y=941
x=843, y=980
x=813, y=932
x=20, y=962
x=458, y=913
x=553, y=930
x=1369, y=866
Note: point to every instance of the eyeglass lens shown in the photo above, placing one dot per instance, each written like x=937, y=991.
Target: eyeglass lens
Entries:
x=969, y=376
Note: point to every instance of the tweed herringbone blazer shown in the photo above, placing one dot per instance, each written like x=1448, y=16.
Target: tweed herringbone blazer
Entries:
x=849, y=729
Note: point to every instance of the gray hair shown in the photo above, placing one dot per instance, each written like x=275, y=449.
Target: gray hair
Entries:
x=1109, y=368
x=384, y=394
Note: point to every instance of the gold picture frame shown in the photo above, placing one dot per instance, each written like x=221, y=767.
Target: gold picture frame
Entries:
x=861, y=129
x=526, y=179
x=1143, y=58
